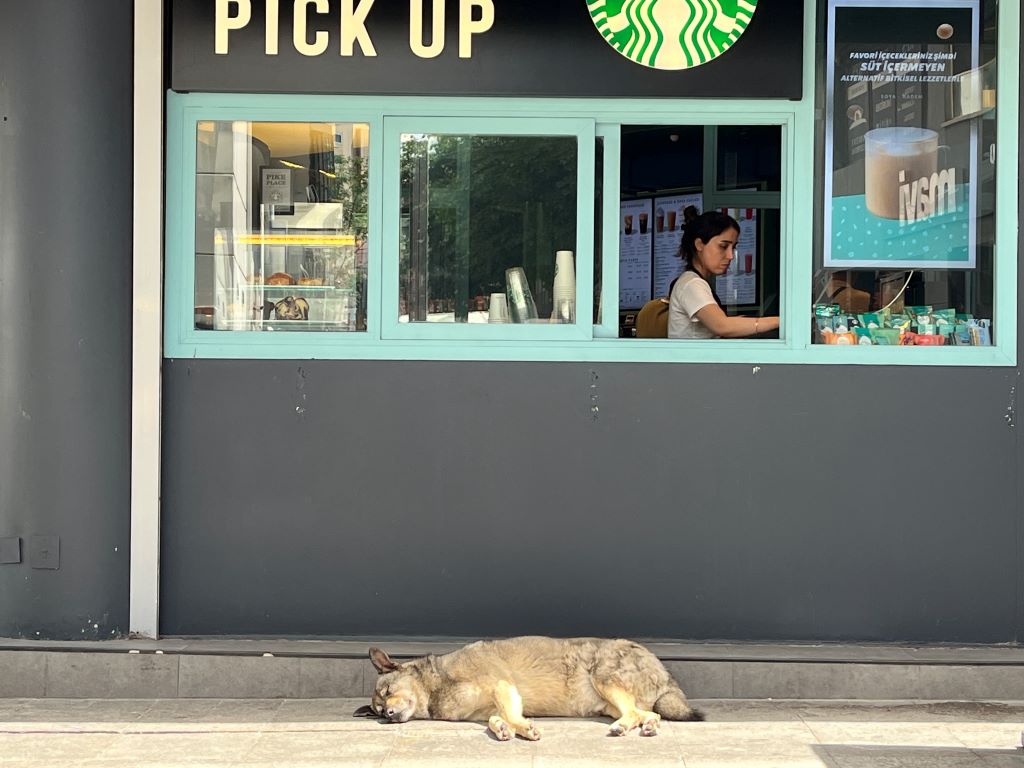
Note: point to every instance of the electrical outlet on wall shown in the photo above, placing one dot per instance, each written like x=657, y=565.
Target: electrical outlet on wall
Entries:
x=44, y=552
x=10, y=549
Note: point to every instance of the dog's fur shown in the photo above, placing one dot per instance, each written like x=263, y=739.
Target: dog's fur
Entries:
x=505, y=682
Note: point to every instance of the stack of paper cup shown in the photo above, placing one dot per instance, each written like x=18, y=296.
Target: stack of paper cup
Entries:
x=521, y=306
x=498, y=310
x=564, y=288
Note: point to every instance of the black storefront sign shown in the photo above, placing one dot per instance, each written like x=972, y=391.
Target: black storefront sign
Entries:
x=582, y=48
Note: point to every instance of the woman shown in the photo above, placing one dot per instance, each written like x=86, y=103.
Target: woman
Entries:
x=695, y=311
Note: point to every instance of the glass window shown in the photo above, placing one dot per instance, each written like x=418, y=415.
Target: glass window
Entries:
x=488, y=229
x=749, y=157
x=281, y=226
x=667, y=179
x=906, y=235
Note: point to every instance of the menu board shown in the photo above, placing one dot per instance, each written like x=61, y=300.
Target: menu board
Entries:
x=635, y=238
x=900, y=148
x=738, y=286
x=668, y=230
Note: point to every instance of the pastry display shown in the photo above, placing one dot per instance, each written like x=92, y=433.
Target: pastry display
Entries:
x=311, y=281
x=292, y=308
x=280, y=278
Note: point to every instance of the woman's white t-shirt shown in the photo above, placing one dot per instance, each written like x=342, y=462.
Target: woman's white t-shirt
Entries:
x=690, y=295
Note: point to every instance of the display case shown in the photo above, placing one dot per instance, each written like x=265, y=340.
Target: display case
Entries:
x=299, y=271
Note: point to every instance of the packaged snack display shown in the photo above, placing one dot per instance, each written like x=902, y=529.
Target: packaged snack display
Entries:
x=921, y=325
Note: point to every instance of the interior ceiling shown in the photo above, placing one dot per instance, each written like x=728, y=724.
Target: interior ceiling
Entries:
x=291, y=139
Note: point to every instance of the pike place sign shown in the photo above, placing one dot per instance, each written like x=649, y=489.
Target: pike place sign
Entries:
x=571, y=48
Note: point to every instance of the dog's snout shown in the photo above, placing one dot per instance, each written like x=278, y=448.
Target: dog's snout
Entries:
x=390, y=711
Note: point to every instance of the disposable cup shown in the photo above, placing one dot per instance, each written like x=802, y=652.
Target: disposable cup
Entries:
x=521, y=306
x=565, y=311
x=498, y=311
x=565, y=276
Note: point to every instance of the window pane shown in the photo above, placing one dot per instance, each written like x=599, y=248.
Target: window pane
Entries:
x=281, y=226
x=482, y=218
x=750, y=158
x=664, y=189
x=907, y=219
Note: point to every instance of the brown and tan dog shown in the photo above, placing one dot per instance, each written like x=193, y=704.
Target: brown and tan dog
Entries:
x=505, y=682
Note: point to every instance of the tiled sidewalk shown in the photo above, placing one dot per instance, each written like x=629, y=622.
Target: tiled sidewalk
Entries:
x=260, y=733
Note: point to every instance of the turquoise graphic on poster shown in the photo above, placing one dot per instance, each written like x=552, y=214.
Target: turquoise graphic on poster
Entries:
x=860, y=236
x=671, y=34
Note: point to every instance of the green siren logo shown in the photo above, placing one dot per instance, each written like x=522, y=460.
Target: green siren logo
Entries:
x=671, y=34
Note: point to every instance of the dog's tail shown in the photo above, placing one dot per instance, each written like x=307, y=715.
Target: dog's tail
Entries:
x=672, y=705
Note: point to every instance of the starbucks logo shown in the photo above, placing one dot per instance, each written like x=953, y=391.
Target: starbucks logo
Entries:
x=671, y=34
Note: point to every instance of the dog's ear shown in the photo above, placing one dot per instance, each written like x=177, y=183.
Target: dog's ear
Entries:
x=364, y=711
x=383, y=662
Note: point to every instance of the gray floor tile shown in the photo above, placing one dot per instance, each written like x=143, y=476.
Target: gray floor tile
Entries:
x=53, y=749
x=185, y=748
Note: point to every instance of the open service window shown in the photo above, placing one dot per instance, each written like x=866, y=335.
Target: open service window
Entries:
x=490, y=235
x=698, y=231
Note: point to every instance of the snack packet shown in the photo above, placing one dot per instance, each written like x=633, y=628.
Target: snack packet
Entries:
x=923, y=309
x=886, y=337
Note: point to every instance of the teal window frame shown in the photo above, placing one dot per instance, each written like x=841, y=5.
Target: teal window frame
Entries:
x=584, y=133
x=601, y=118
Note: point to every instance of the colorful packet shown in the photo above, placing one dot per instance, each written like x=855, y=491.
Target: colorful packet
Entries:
x=886, y=337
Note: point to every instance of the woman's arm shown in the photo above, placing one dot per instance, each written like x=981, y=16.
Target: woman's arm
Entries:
x=720, y=324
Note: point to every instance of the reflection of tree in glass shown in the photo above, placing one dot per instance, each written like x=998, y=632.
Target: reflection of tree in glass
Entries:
x=349, y=187
x=494, y=202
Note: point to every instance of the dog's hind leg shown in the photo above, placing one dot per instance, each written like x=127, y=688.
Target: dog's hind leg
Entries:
x=510, y=712
x=501, y=729
x=630, y=716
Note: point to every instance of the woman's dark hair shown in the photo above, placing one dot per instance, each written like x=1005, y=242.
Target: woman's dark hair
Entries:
x=708, y=225
x=704, y=227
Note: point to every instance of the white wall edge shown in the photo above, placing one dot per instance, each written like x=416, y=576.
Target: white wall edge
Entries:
x=147, y=313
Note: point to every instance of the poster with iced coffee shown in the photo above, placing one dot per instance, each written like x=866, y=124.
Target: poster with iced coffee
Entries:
x=901, y=147
x=738, y=286
x=635, y=237
x=670, y=214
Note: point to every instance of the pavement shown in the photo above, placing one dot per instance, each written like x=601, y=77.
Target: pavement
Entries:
x=317, y=733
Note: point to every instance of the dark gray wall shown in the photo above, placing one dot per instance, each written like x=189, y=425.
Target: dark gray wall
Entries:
x=701, y=501
x=65, y=294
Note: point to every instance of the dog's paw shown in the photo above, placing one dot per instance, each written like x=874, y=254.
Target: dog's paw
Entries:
x=650, y=727
x=617, y=729
x=531, y=732
x=500, y=729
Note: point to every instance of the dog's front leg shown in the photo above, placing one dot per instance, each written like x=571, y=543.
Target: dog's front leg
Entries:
x=510, y=714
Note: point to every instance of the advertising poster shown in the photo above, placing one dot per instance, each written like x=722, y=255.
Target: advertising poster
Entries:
x=738, y=286
x=901, y=143
x=668, y=229
x=635, y=239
